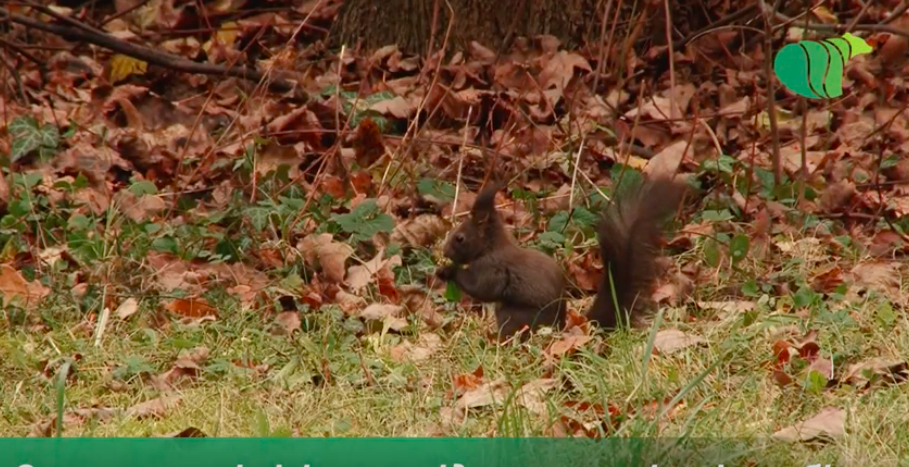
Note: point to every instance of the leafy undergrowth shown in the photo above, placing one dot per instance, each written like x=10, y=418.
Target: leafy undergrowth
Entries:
x=185, y=255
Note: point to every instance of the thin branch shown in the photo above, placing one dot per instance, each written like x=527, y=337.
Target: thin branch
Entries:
x=146, y=54
x=838, y=28
x=64, y=18
x=12, y=71
x=897, y=12
x=125, y=12
x=42, y=66
x=771, y=92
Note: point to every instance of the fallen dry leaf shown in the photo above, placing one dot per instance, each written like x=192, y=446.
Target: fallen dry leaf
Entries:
x=730, y=306
x=128, y=308
x=329, y=254
x=669, y=341
x=360, y=275
x=421, y=231
x=666, y=162
x=416, y=300
x=828, y=280
x=47, y=427
x=142, y=208
x=486, y=394
x=154, y=408
x=829, y=423
x=570, y=341
x=781, y=378
x=349, y=303
x=881, y=276
x=863, y=374
x=191, y=308
x=50, y=256
x=468, y=381
x=836, y=196
x=288, y=322
x=450, y=418
x=427, y=344
x=397, y=107
x=385, y=313
x=15, y=289
x=586, y=420
x=531, y=395
x=185, y=366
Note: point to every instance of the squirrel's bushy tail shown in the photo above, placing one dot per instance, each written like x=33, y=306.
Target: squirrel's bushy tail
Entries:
x=629, y=236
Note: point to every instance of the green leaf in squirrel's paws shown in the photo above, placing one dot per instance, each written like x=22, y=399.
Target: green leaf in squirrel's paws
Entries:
x=738, y=247
x=452, y=293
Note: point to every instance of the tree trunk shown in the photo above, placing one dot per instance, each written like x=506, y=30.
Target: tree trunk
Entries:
x=371, y=24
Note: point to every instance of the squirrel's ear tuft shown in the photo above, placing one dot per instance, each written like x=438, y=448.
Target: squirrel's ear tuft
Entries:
x=486, y=199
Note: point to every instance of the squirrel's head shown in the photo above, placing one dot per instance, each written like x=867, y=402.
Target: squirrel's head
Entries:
x=479, y=233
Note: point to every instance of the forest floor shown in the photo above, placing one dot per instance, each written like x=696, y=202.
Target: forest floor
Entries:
x=187, y=255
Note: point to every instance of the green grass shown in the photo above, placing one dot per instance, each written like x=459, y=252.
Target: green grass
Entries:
x=336, y=377
x=324, y=380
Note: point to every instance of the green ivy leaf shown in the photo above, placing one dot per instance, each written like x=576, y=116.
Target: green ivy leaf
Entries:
x=558, y=222
x=143, y=187
x=584, y=218
x=815, y=382
x=751, y=289
x=79, y=222
x=379, y=97
x=738, y=247
x=712, y=253
x=625, y=179
x=722, y=215
x=165, y=244
x=803, y=297
x=885, y=315
x=29, y=136
x=258, y=216
x=722, y=164
x=551, y=239
x=364, y=221
x=436, y=188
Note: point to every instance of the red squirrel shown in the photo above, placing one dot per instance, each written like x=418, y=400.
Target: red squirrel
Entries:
x=489, y=266
x=630, y=234
x=529, y=286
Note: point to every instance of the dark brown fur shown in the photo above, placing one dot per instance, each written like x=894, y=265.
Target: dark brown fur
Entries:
x=489, y=266
x=629, y=235
x=529, y=286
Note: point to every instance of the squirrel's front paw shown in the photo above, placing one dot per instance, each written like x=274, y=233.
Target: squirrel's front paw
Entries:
x=446, y=273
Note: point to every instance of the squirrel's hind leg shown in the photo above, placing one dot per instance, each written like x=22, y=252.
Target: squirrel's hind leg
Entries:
x=511, y=319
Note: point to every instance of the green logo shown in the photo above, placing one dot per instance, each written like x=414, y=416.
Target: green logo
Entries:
x=814, y=69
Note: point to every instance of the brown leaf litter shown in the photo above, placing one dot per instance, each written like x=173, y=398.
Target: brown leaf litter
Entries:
x=827, y=425
x=186, y=366
x=154, y=408
x=426, y=345
x=321, y=250
x=15, y=289
x=668, y=341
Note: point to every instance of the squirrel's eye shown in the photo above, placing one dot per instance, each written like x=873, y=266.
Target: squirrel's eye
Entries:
x=459, y=238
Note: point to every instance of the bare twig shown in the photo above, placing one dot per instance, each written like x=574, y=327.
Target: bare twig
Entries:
x=144, y=53
x=897, y=12
x=771, y=93
x=603, y=47
x=18, y=80
x=125, y=12
x=837, y=28
x=672, y=109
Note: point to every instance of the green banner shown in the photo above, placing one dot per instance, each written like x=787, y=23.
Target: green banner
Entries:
x=377, y=452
